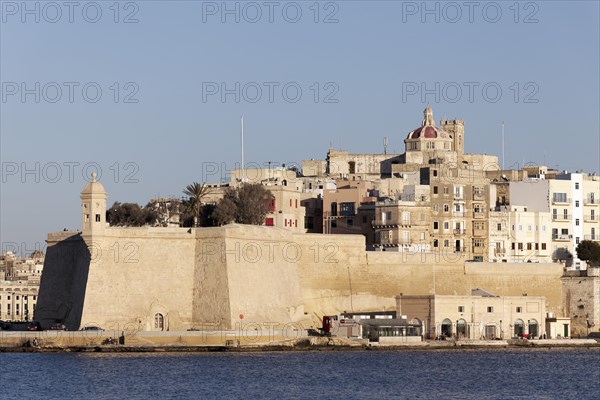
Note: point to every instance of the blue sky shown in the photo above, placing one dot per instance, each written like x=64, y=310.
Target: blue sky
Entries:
x=366, y=69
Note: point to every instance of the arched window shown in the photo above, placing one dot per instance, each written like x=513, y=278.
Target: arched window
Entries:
x=461, y=328
x=446, y=328
x=159, y=321
x=519, y=327
x=533, y=328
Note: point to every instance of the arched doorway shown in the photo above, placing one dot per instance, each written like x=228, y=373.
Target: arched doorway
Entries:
x=461, y=328
x=533, y=329
x=159, y=322
x=519, y=328
x=446, y=328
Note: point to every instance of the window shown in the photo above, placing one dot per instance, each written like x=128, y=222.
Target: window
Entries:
x=576, y=221
x=435, y=225
x=512, y=245
x=577, y=240
x=499, y=227
x=435, y=190
x=446, y=225
x=520, y=246
x=543, y=246
x=159, y=321
x=446, y=208
x=97, y=217
x=347, y=209
x=577, y=185
x=446, y=190
x=576, y=203
x=461, y=308
x=435, y=172
x=529, y=229
x=490, y=309
x=436, y=208
x=435, y=244
x=559, y=197
x=529, y=246
x=520, y=227
x=519, y=309
x=446, y=243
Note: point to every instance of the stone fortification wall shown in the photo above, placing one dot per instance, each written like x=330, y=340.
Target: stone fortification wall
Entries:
x=346, y=278
x=243, y=275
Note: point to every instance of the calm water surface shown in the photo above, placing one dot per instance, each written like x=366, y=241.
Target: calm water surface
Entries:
x=489, y=374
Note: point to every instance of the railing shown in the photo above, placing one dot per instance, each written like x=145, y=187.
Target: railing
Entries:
x=478, y=214
x=478, y=196
x=561, y=201
x=591, y=218
x=499, y=252
x=460, y=231
x=392, y=222
x=591, y=201
x=591, y=237
x=561, y=217
x=562, y=237
x=458, y=214
x=458, y=196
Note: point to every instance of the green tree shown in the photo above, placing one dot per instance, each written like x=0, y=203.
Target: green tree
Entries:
x=130, y=214
x=589, y=251
x=196, y=192
x=247, y=204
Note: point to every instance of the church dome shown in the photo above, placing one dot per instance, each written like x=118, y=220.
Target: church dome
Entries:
x=428, y=130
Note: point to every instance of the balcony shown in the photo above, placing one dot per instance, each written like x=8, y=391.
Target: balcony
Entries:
x=595, y=238
x=499, y=252
x=478, y=196
x=478, y=214
x=561, y=217
x=458, y=214
x=479, y=232
x=591, y=201
x=591, y=218
x=459, y=231
x=556, y=200
x=562, y=237
x=392, y=223
x=459, y=196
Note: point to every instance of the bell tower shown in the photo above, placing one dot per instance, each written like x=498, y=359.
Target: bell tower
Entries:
x=456, y=128
x=93, y=209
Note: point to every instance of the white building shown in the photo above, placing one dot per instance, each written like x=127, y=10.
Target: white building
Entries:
x=573, y=200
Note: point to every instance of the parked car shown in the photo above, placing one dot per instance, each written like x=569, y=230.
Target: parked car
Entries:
x=91, y=328
x=34, y=326
x=58, y=327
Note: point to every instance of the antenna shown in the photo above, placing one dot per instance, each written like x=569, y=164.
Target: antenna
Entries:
x=503, y=145
x=385, y=145
x=242, y=142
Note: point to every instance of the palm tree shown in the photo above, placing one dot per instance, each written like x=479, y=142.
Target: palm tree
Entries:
x=196, y=192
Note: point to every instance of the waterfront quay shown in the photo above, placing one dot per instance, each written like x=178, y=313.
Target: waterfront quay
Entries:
x=263, y=340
